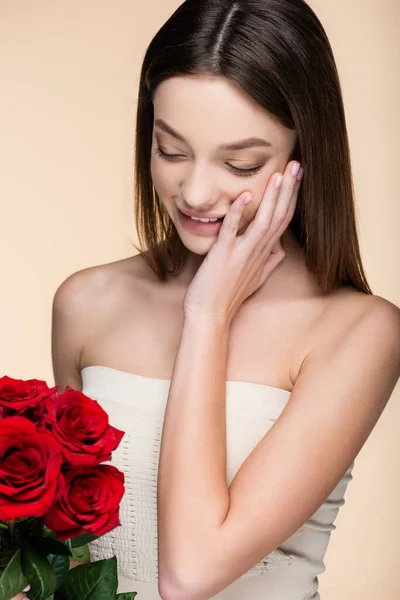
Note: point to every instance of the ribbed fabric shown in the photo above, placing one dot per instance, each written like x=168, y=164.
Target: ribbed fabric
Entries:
x=136, y=404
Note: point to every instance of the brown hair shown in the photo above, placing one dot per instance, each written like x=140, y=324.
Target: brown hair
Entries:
x=276, y=51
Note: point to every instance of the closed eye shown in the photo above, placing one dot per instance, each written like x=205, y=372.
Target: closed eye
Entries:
x=240, y=172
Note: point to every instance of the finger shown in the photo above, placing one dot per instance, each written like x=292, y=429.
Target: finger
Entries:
x=22, y=595
x=260, y=225
x=273, y=225
x=230, y=224
x=287, y=197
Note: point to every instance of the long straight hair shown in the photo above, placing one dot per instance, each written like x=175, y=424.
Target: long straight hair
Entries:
x=277, y=51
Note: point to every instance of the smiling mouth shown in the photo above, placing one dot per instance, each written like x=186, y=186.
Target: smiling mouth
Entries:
x=206, y=220
x=200, y=226
x=212, y=217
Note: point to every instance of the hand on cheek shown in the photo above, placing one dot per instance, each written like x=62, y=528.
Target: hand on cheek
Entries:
x=258, y=190
x=238, y=264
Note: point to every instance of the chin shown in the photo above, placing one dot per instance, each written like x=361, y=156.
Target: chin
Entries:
x=196, y=244
x=201, y=248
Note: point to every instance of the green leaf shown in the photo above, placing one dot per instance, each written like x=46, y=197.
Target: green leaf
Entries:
x=12, y=579
x=47, y=545
x=126, y=596
x=81, y=554
x=92, y=581
x=60, y=566
x=43, y=579
x=81, y=540
x=6, y=555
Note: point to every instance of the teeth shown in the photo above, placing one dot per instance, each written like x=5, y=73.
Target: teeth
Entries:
x=205, y=220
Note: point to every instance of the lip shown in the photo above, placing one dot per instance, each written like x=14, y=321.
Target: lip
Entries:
x=202, y=216
x=197, y=227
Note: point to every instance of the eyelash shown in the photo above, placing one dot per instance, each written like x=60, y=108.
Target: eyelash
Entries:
x=240, y=172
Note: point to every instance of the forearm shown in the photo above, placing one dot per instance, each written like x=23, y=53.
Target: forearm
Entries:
x=193, y=495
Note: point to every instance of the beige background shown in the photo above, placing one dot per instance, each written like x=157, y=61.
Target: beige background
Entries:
x=69, y=74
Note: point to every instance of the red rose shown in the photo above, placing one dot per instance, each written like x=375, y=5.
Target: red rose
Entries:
x=30, y=463
x=19, y=397
x=81, y=427
x=90, y=503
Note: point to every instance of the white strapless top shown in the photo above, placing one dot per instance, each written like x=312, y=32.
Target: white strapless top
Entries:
x=136, y=405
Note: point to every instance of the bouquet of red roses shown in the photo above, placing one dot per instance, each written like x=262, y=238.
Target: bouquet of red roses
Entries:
x=56, y=496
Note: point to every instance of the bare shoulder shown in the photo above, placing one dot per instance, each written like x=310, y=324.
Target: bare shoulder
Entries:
x=88, y=297
x=349, y=308
x=378, y=327
x=101, y=284
x=370, y=320
x=369, y=323
x=84, y=303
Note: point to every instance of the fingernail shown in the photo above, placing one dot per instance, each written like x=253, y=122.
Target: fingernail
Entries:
x=295, y=169
x=278, y=181
x=248, y=199
x=300, y=175
x=28, y=587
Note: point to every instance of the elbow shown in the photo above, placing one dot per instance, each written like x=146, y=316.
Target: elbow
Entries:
x=173, y=592
x=180, y=590
x=168, y=586
x=179, y=593
x=183, y=579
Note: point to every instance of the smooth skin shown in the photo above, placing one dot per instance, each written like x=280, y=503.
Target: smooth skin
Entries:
x=237, y=265
x=340, y=392
x=338, y=353
x=256, y=253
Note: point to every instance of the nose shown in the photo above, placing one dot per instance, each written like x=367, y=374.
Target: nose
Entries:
x=198, y=191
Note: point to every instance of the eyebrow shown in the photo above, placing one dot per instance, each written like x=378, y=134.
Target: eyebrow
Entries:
x=239, y=145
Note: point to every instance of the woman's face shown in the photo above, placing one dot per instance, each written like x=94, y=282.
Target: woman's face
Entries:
x=194, y=117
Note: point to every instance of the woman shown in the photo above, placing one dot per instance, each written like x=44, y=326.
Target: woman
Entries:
x=236, y=355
